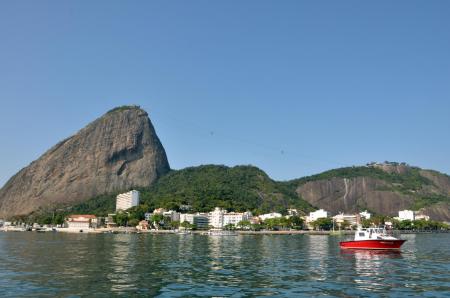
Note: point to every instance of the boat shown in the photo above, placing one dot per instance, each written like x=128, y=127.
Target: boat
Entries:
x=373, y=238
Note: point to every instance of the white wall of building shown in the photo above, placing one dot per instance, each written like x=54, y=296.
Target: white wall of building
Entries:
x=270, y=215
x=313, y=216
x=406, y=215
x=127, y=200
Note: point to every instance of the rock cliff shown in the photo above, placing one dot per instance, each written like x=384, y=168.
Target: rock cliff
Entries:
x=381, y=188
x=117, y=151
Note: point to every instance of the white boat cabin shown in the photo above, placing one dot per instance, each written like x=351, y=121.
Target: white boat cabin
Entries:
x=373, y=234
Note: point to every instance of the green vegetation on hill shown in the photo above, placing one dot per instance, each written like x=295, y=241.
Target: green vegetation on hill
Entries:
x=238, y=188
x=410, y=180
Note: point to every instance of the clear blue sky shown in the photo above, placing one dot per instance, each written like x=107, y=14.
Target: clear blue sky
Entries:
x=293, y=87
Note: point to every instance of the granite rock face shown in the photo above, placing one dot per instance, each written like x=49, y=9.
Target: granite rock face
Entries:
x=354, y=194
x=117, y=151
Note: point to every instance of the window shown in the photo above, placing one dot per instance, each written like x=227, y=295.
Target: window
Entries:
x=362, y=234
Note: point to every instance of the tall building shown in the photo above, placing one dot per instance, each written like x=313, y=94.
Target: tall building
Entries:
x=220, y=218
x=127, y=200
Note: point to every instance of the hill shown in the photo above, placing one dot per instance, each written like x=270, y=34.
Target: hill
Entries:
x=380, y=188
x=117, y=151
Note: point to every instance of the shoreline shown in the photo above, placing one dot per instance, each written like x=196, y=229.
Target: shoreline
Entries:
x=130, y=230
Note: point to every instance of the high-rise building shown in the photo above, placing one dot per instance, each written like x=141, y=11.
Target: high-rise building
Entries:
x=127, y=200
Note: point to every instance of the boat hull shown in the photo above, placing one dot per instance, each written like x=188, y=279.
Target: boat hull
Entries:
x=372, y=244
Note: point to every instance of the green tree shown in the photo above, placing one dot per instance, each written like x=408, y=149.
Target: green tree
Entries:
x=323, y=224
x=297, y=222
x=244, y=224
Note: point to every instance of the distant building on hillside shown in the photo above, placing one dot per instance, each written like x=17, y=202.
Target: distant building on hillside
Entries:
x=82, y=222
x=365, y=215
x=127, y=200
x=270, y=216
x=313, y=216
x=406, y=215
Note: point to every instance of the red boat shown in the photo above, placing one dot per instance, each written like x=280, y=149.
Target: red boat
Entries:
x=372, y=238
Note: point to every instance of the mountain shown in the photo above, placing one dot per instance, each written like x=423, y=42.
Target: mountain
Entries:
x=117, y=151
x=381, y=188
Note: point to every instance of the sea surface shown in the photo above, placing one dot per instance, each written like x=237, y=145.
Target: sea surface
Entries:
x=144, y=265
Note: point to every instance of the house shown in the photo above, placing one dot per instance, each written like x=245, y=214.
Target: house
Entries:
x=82, y=222
x=270, y=216
x=143, y=225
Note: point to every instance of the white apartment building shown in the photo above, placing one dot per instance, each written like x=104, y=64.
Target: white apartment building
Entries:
x=127, y=200
x=313, y=216
x=352, y=219
x=406, y=215
x=270, y=215
x=220, y=218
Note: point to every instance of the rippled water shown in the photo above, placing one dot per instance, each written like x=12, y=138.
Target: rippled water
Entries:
x=72, y=265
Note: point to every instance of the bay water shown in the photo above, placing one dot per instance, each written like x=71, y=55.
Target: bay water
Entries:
x=147, y=265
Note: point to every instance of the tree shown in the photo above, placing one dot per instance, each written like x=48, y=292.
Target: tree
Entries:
x=244, y=224
x=296, y=222
x=345, y=225
x=174, y=224
x=121, y=219
x=187, y=225
x=323, y=224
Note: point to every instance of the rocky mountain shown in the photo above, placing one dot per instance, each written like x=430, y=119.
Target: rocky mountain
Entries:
x=115, y=152
x=381, y=188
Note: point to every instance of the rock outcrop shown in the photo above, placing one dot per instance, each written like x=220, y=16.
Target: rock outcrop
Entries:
x=117, y=151
x=380, y=188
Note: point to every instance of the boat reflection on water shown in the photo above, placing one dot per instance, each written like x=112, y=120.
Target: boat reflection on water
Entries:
x=372, y=266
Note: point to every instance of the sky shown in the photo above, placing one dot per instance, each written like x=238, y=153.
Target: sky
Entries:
x=292, y=87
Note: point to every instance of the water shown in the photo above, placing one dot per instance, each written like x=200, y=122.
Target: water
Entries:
x=108, y=265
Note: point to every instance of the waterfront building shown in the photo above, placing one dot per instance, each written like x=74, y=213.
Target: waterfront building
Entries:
x=352, y=219
x=127, y=200
x=200, y=220
x=143, y=225
x=82, y=221
x=173, y=215
x=270, y=215
x=313, y=216
x=220, y=218
x=216, y=218
x=406, y=215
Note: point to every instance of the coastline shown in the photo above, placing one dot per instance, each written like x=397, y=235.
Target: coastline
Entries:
x=129, y=230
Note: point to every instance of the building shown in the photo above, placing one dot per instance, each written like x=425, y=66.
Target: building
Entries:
x=82, y=222
x=365, y=215
x=292, y=212
x=352, y=219
x=216, y=218
x=406, y=215
x=127, y=200
x=220, y=218
x=420, y=216
x=313, y=216
x=270, y=216
x=200, y=220
x=143, y=225
x=173, y=215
